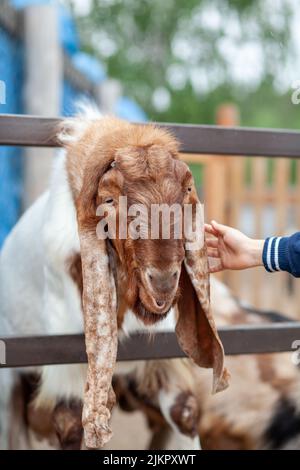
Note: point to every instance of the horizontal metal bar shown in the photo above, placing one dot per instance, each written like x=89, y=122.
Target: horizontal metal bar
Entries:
x=70, y=349
x=237, y=140
x=40, y=132
x=28, y=130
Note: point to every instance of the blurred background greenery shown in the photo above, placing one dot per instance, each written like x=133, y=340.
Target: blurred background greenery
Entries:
x=181, y=59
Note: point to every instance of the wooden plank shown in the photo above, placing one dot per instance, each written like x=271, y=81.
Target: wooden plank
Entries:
x=70, y=349
x=216, y=174
x=280, y=192
x=228, y=115
x=291, y=197
x=215, y=195
x=37, y=131
x=259, y=176
x=197, y=158
x=236, y=190
x=281, y=207
x=258, y=187
x=215, y=189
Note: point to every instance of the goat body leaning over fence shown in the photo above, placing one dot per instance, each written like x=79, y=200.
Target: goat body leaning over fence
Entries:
x=58, y=277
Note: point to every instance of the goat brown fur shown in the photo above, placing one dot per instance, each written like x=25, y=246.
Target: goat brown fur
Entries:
x=110, y=158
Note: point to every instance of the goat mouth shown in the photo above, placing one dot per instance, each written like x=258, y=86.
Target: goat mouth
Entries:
x=147, y=317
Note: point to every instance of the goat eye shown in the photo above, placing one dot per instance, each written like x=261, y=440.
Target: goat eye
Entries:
x=109, y=200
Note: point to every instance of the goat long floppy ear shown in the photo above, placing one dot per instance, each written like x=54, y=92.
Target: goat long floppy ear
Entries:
x=85, y=166
x=100, y=316
x=195, y=329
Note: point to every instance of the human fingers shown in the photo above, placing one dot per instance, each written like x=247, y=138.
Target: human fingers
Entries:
x=209, y=229
x=220, y=229
x=212, y=242
x=213, y=253
x=216, y=268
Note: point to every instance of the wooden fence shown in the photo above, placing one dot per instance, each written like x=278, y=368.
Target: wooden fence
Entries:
x=196, y=140
x=261, y=197
x=266, y=203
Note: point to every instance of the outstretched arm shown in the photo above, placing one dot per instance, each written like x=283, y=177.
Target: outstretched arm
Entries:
x=234, y=250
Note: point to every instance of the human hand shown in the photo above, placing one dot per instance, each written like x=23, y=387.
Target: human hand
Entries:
x=232, y=248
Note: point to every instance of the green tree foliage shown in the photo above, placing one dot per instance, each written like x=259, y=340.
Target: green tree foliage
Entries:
x=180, y=59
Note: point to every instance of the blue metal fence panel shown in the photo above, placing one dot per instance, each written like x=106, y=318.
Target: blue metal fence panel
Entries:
x=11, y=73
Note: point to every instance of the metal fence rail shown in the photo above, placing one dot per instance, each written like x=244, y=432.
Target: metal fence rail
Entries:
x=243, y=339
x=218, y=140
x=70, y=349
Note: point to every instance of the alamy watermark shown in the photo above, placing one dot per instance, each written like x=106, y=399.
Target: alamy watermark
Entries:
x=296, y=354
x=2, y=352
x=295, y=98
x=157, y=221
x=2, y=92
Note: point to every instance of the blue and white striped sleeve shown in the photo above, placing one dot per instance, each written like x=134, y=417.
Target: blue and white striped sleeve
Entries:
x=282, y=254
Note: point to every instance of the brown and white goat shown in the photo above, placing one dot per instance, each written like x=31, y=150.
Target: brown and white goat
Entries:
x=57, y=276
x=260, y=409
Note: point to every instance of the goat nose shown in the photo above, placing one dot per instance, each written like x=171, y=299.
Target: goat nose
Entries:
x=162, y=281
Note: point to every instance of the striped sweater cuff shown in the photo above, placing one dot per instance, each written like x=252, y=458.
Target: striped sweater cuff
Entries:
x=271, y=254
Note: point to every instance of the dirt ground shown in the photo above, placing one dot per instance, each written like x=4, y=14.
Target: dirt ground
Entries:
x=130, y=431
